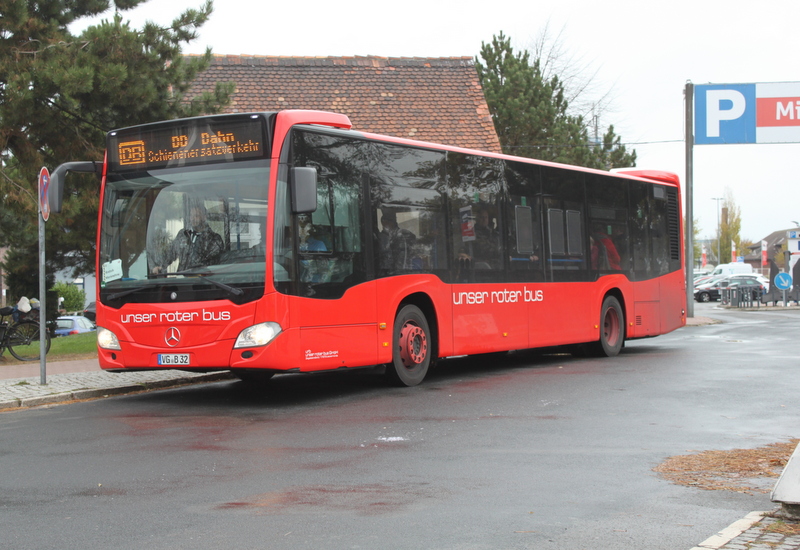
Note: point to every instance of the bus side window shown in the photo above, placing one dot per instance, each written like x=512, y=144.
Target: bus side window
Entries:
x=524, y=239
x=568, y=252
x=639, y=208
x=407, y=206
x=607, y=198
x=477, y=225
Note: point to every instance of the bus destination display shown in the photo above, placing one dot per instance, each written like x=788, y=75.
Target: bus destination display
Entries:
x=201, y=142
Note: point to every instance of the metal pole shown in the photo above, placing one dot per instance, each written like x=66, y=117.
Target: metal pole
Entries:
x=787, y=261
x=719, y=232
x=689, y=227
x=42, y=308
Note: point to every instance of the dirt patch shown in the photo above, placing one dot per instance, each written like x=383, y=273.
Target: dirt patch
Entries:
x=739, y=470
x=783, y=527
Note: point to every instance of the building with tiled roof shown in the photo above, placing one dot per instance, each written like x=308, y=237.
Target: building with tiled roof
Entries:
x=429, y=99
x=777, y=242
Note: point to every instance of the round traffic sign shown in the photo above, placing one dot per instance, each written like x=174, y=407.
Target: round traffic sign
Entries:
x=783, y=281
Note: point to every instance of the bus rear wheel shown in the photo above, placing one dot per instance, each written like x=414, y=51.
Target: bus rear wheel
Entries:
x=411, y=355
x=612, y=328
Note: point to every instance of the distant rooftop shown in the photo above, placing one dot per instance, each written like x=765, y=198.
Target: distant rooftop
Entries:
x=428, y=99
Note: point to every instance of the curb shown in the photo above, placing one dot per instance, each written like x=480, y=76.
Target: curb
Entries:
x=99, y=393
x=731, y=532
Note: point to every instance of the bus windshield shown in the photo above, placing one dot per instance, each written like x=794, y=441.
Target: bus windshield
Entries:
x=185, y=234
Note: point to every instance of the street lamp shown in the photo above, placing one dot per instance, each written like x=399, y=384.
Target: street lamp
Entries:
x=719, y=231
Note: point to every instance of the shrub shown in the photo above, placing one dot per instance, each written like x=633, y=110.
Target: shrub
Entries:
x=74, y=297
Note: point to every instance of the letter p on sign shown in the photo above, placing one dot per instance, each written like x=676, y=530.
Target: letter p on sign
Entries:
x=725, y=113
x=722, y=105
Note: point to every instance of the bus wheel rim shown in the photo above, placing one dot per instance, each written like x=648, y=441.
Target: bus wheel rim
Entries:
x=611, y=329
x=413, y=345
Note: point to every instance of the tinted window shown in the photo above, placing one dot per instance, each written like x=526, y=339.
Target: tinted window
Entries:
x=407, y=210
x=607, y=200
x=639, y=208
x=322, y=254
x=477, y=223
x=566, y=257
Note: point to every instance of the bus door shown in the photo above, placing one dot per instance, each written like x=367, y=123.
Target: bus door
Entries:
x=572, y=308
x=324, y=258
x=490, y=312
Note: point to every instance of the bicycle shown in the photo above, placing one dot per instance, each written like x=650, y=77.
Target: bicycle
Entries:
x=22, y=338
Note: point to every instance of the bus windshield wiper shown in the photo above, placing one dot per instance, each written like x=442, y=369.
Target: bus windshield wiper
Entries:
x=205, y=277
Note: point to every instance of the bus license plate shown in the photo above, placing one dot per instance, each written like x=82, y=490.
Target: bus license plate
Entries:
x=173, y=359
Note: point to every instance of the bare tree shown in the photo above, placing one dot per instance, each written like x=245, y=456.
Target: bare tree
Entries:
x=583, y=89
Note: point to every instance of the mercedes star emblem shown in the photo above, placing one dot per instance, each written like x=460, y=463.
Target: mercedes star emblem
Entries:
x=172, y=337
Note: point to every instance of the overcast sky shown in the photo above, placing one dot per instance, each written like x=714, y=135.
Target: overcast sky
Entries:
x=645, y=51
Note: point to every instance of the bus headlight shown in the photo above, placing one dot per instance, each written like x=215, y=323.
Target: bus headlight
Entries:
x=257, y=335
x=107, y=339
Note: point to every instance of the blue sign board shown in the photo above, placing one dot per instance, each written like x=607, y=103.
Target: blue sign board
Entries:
x=783, y=281
x=725, y=113
x=747, y=113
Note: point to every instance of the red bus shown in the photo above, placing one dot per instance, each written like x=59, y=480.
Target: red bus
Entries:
x=284, y=242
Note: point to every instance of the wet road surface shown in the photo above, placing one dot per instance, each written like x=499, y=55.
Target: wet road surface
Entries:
x=523, y=451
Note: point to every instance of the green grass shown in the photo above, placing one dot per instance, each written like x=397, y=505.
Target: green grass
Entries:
x=76, y=346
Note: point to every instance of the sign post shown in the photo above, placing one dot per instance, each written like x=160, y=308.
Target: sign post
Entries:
x=783, y=281
x=688, y=98
x=737, y=113
x=44, y=215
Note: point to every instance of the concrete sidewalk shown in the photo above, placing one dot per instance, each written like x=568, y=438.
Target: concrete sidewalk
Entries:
x=756, y=531
x=72, y=380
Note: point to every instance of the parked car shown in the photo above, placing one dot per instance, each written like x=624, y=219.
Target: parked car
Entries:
x=73, y=324
x=711, y=292
x=707, y=280
x=91, y=312
x=707, y=291
x=760, y=278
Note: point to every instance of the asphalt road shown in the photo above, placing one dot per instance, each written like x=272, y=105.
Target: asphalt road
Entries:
x=524, y=451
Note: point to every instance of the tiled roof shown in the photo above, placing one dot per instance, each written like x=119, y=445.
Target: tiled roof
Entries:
x=429, y=99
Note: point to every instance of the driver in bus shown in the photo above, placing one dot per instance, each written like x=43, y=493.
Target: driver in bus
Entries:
x=196, y=245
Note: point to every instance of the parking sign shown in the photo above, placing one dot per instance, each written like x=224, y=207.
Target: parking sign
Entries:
x=747, y=113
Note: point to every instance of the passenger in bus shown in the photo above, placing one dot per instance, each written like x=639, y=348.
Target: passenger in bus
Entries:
x=485, y=251
x=196, y=245
x=604, y=254
x=395, y=245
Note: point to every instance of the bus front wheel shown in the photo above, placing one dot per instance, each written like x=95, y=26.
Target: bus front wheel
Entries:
x=411, y=355
x=612, y=328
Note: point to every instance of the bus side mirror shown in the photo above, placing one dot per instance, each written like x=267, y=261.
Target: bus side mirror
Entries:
x=304, y=189
x=56, y=193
